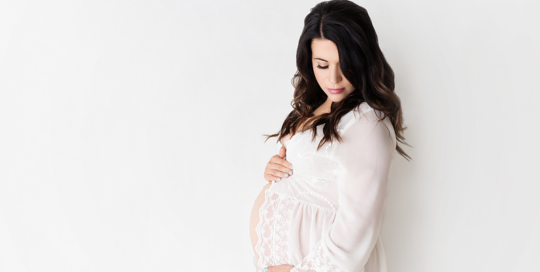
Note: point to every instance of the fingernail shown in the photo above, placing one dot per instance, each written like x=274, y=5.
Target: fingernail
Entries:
x=290, y=172
x=278, y=179
x=266, y=269
x=290, y=166
x=286, y=175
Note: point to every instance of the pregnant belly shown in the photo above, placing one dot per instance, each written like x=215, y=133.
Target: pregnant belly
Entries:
x=254, y=219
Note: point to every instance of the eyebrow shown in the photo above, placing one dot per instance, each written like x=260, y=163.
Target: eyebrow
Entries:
x=321, y=59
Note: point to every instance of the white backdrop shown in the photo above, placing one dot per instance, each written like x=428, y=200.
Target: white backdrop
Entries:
x=131, y=132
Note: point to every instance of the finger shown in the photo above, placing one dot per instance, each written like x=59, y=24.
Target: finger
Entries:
x=270, y=177
x=279, y=160
x=278, y=170
x=283, y=162
x=279, y=174
x=282, y=152
x=281, y=168
x=273, y=171
x=275, y=175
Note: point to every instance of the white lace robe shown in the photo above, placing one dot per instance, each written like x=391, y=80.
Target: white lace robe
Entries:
x=327, y=215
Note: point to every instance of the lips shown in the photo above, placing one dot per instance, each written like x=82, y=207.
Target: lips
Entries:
x=336, y=91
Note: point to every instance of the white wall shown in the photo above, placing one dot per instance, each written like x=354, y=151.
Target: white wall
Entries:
x=130, y=132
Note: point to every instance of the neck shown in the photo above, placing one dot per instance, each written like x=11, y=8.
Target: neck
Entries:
x=325, y=107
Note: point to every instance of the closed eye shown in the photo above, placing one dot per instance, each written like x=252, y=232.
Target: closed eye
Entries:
x=320, y=67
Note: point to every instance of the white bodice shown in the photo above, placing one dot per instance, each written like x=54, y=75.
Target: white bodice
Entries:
x=327, y=215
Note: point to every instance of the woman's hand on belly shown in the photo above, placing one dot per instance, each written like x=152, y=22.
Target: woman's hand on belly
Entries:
x=280, y=268
x=278, y=168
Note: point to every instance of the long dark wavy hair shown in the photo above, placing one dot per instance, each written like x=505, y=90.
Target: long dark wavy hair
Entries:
x=362, y=62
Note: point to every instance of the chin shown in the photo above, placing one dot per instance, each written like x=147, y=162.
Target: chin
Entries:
x=336, y=98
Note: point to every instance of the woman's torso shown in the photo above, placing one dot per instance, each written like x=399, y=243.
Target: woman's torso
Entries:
x=297, y=210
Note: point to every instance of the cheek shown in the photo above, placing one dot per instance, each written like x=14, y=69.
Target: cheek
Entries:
x=349, y=84
x=318, y=75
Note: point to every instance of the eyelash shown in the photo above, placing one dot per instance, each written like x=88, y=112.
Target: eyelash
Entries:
x=320, y=67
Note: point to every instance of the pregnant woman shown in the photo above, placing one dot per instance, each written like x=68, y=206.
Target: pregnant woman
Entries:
x=323, y=205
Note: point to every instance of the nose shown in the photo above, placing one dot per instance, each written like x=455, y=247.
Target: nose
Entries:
x=335, y=75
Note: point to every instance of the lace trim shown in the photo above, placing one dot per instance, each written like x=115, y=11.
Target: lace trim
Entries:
x=273, y=229
x=317, y=261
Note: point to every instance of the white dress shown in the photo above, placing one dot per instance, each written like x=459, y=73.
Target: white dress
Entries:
x=327, y=215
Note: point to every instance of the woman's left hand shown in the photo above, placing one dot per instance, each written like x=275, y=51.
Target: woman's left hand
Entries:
x=280, y=268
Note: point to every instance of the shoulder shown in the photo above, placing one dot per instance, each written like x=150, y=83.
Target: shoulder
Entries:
x=362, y=113
x=365, y=119
x=369, y=113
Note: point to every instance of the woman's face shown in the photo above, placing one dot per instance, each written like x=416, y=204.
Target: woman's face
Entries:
x=327, y=72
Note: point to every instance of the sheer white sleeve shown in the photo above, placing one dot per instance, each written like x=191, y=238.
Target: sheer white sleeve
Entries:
x=364, y=158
